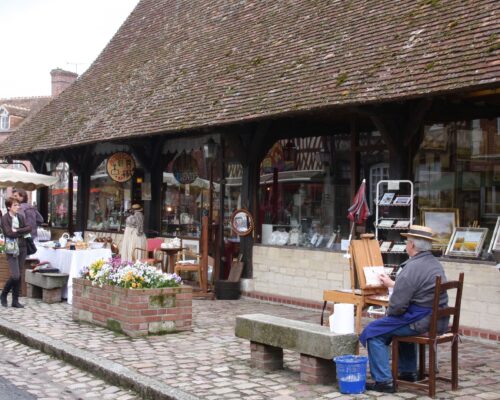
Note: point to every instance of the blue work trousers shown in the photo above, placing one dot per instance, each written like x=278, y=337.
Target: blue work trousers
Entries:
x=379, y=354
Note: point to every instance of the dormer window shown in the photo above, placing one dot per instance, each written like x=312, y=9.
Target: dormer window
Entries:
x=4, y=119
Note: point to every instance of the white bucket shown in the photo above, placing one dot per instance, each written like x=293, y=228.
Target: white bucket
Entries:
x=342, y=320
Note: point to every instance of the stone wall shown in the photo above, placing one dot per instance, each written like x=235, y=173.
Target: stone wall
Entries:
x=135, y=312
x=300, y=275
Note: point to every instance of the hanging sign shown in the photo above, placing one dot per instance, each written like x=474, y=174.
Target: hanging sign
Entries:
x=120, y=167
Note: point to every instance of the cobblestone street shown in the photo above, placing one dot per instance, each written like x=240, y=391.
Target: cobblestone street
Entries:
x=207, y=363
x=47, y=378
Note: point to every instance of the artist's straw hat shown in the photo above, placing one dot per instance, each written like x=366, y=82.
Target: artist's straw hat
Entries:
x=420, y=232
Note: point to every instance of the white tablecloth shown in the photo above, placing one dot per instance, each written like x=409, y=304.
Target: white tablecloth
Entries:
x=70, y=262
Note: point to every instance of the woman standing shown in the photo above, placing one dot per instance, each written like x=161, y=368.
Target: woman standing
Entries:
x=31, y=215
x=133, y=237
x=14, y=228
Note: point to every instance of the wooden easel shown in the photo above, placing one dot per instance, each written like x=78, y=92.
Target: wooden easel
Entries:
x=364, y=252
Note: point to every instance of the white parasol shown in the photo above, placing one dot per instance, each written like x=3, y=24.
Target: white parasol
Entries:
x=24, y=180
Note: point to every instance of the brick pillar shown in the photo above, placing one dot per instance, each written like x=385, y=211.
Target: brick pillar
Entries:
x=317, y=370
x=266, y=357
x=51, y=296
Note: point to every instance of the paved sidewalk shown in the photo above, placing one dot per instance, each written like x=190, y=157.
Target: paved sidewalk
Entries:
x=210, y=362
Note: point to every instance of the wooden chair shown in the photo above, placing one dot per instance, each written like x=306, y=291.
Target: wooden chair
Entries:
x=153, y=256
x=432, y=339
x=189, y=262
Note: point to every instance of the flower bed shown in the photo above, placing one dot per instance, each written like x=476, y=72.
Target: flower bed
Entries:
x=132, y=298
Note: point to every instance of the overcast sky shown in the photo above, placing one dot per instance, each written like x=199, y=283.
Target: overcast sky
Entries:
x=37, y=36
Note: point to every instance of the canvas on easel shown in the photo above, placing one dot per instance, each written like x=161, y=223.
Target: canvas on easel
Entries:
x=366, y=253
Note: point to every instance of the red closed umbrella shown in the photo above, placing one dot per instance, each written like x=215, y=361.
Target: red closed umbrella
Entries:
x=359, y=211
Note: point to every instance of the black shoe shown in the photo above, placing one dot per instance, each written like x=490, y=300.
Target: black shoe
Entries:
x=17, y=305
x=384, y=387
x=408, y=376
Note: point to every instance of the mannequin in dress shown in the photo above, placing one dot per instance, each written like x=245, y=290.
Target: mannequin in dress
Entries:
x=133, y=237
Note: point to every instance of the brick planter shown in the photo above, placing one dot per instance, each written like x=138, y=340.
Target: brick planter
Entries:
x=135, y=312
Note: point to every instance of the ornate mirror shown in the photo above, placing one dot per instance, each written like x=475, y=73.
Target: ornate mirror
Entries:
x=242, y=222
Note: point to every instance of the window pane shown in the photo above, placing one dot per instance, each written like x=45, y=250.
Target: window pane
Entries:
x=458, y=166
x=58, y=197
x=108, y=201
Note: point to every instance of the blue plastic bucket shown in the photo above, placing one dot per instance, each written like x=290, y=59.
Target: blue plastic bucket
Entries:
x=351, y=373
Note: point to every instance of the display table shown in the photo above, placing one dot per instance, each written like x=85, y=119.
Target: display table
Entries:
x=70, y=262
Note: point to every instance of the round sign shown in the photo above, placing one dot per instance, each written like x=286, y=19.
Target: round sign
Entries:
x=185, y=169
x=120, y=167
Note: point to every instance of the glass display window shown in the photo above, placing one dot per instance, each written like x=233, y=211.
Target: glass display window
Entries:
x=458, y=166
x=109, y=201
x=183, y=204
x=310, y=202
x=59, y=206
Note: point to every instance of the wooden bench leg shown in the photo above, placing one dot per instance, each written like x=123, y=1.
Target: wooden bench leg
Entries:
x=266, y=357
x=51, y=295
x=317, y=371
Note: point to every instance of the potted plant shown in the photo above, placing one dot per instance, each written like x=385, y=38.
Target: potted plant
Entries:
x=132, y=298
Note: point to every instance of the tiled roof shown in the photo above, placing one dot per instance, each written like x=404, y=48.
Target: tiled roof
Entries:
x=176, y=65
x=23, y=107
x=25, y=102
x=17, y=111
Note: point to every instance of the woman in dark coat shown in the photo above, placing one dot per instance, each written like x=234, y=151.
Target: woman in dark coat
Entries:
x=31, y=215
x=14, y=227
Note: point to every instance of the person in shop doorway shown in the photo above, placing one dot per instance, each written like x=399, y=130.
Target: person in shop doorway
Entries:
x=133, y=237
x=14, y=229
x=31, y=215
x=408, y=314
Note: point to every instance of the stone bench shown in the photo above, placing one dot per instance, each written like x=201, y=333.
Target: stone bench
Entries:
x=45, y=285
x=269, y=335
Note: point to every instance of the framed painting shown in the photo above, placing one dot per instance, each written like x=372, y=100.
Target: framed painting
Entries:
x=435, y=138
x=495, y=239
x=442, y=221
x=466, y=242
x=192, y=245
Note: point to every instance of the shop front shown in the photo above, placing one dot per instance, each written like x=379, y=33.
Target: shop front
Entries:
x=287, y=131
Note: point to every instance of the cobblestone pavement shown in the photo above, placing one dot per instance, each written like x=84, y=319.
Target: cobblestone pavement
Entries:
x=46, y=378
x=211, y=363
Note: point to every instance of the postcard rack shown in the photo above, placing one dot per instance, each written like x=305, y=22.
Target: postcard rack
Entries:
x=393, y=215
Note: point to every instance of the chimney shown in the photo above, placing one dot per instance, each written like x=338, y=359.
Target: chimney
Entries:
x=61, y=79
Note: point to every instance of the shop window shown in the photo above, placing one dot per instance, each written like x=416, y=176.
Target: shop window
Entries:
x=183, y=204
x=378, y=172
x=303, y=206
x=109, y=201
x=458, y=166
x=59, y=197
